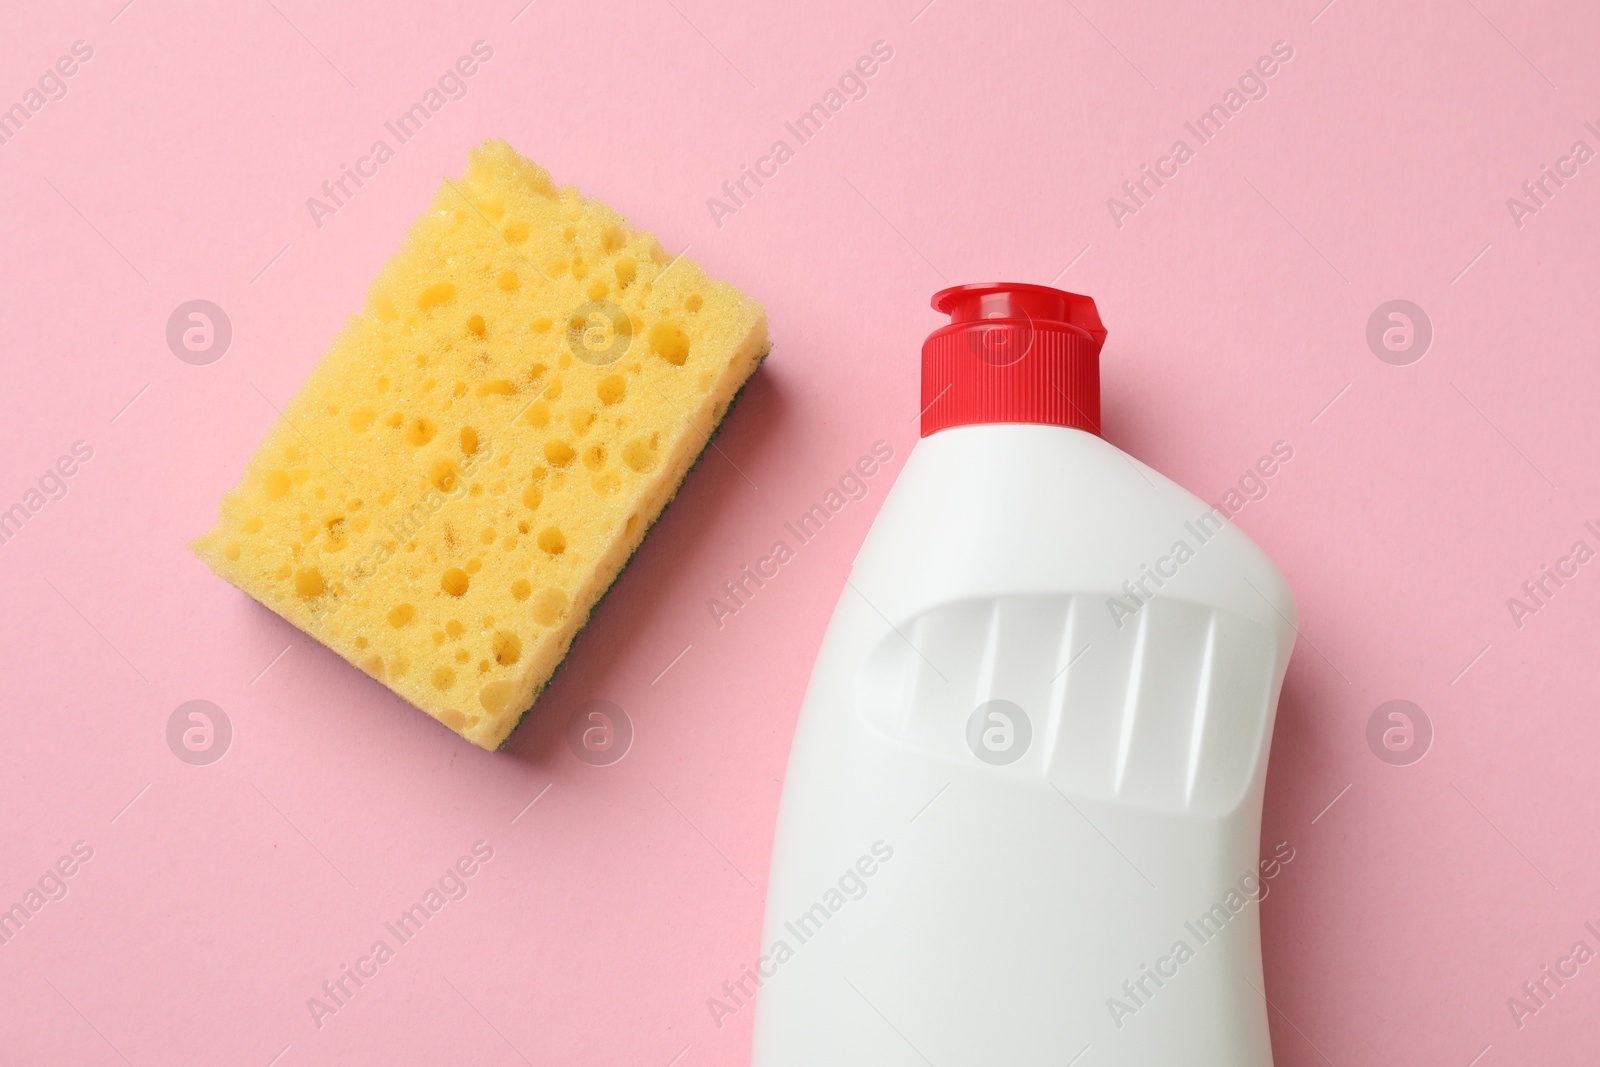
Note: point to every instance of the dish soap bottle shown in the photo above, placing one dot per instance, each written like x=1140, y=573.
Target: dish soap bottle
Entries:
x=1022, y=813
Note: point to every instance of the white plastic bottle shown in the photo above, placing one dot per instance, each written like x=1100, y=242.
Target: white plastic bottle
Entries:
x=1022, y=813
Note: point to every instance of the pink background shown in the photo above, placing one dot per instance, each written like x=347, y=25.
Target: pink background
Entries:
x=219, y=898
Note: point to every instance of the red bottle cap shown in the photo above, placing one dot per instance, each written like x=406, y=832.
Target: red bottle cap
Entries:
x=1012, y=353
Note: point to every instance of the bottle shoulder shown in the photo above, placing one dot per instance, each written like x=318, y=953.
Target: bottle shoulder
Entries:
x=1007, y=509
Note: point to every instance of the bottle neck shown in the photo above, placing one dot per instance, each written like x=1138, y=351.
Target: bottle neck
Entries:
x=1011, y=371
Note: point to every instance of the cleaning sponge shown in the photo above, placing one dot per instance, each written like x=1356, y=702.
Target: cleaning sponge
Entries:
x=473, y=461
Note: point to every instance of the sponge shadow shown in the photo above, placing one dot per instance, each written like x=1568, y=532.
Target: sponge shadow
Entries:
x=602, y=658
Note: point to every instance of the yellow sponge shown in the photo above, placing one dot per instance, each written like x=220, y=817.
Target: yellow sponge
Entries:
x=480, y=451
